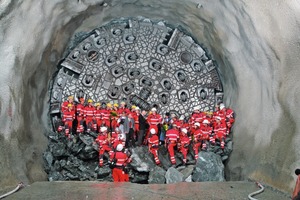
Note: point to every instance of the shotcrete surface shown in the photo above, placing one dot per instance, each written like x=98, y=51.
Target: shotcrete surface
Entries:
x=122, y=191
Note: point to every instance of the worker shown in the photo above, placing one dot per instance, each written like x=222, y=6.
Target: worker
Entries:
x=135, y=112
x=121, y=159
x=80, y=115
x=184, y=144
x=98, y=117
x=143, y=126
x=197, y=116
x=89, y=115
x=106, y=115
x=153, y=144
x=172, y=136
x=64, y=105
x=206, y=132
x=154, y=120
x=123, y=108
x=296, y=192
x=220, y=131
x=103, y=143
x=197, y=139
x=68, y=118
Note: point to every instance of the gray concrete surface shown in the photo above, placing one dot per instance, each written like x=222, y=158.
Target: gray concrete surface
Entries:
x=122, y=191
x=255, y=43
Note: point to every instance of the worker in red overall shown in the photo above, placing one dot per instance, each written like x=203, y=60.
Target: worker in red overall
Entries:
x=106, y=115
x=154, y=119
x=89, y=115
x=220, y=131
x=122, y=159
x=296, y=192
x=172, y=136
x=206, y=134
x=80, y=115
x=184, y=143
x=64, y=105
x=197, y=116
x=122, y=109
x=98, y=117
x=153, y=144
x=68, y=117
x=197, y=139
x=103, y=143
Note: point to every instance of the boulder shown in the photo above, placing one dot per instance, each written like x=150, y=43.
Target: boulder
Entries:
x=173, y=176
x=209, y=167
x=157, y=176
x=142, y=159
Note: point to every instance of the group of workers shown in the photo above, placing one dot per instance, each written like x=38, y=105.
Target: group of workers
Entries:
x=119, y=127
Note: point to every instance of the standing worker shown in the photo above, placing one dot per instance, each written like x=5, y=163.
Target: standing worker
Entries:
x=153, y=144
x=119, y=173
x=68, y=117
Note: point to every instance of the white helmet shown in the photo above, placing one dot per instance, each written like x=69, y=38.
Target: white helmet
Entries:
x=152, y=131
x=222, y=106
x=137, y=108
x=103, y=128
x=153, y=110
x=117, y=129
x=184, y=130
x=119, y=147
x=196, y=108
x=218, y=118
x=197, y=124
x=181, y=117
x=205, y=121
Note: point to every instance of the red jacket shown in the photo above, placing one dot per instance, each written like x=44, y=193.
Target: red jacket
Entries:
x=122, y=158
x=102, y=140
x=197, y=117
x=89, y=111
x=80, y=110
x=172, y=135
x=154, y=119
x=68, y=115
x=153, y=141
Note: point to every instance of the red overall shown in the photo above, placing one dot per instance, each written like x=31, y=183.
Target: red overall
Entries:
x=80, y=115
x=89, y=116
x=197, y=142
x=172, y=136
x=184, y=143
x=68, y=118
x=118, y=173
x=103, y=146
x=153, y=147
x=220, y=130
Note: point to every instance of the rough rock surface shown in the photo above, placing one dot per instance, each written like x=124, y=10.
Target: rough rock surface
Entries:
x=173, y=176
x=209, y=167
x=157, y=176
x=255, y=44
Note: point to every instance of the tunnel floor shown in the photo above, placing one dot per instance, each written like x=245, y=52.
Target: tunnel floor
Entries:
x=107, y=190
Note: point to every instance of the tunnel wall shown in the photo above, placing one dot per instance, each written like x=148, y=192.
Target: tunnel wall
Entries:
x=254, y=43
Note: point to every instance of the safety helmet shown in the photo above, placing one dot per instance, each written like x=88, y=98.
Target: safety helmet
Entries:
x=218, y=118
x=181, y=117
x=133, y=107
x=196, y=108
x=122, y=103
x=70, y=97
x=70, y=105
x=116, y=105
x=152, y=131
x=108, y=105
x=97, y=104
x=205, y=121
x=197, y=124
x=173, y=115
x=184, y=130
x=90, y=101
x=119, y=147
x=103, y=129
x=153, y=109
x=222, y=106
x=137, y=108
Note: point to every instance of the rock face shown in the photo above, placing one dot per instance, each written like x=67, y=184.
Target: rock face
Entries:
x=209, y=167
x=157, y=176
x=259, y=71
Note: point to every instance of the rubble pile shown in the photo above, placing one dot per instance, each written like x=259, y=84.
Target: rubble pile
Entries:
x=77, y=159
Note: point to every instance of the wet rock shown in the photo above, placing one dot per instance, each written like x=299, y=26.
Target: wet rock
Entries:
x=55, y=176
x=58, y=149
x=48, y=158
x=102, y=172
x=173, y=176
x=138, y=177
x=186, y=171
x=142, y=160
x=209, y=167
x=164, y=157
x=157, y=176
x=86, y=139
